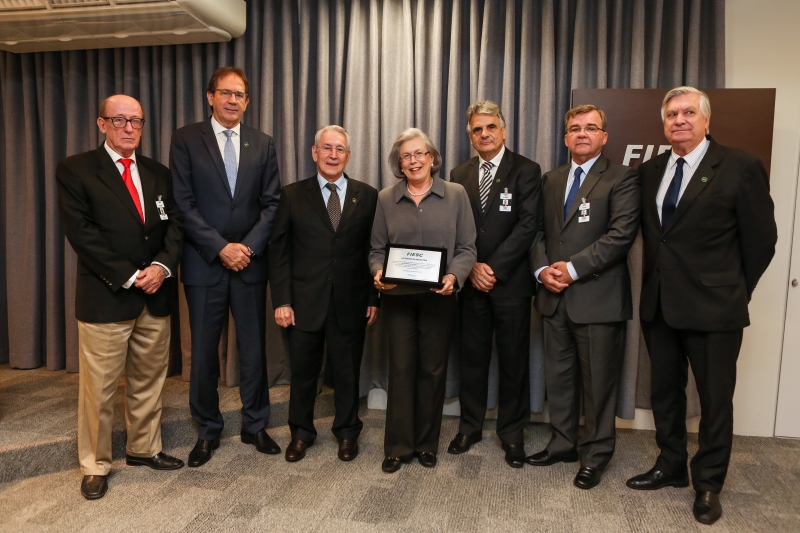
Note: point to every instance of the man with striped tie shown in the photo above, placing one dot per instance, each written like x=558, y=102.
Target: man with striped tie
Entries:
x=590, y=217
x=504, y=191
x=226, y=184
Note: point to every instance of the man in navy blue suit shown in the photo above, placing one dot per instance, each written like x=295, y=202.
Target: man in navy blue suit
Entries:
x=226, y=185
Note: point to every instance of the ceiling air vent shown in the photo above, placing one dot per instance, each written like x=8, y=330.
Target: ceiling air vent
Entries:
x=46, y=25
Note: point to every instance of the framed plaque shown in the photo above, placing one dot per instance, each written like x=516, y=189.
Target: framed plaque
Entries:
x=414, y=265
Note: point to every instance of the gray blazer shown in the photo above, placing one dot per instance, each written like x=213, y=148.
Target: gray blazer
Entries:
x=443, y=219
x=598, y=248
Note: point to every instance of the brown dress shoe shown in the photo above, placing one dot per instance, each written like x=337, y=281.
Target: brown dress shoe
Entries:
x=348, y=449
x=296, y=450
x=94, y=487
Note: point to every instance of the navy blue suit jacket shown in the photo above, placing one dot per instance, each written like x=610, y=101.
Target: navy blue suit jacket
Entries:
x=213, y=217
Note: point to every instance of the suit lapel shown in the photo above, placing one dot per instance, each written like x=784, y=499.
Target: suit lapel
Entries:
x=245, y=157
x=108, y=172
x=700, y=179
x=148, y=194
x=472, y=187
x=588, y=183
x=317, y=202
x=213, y=147
x=351, y=199
x=651, y=207
x=559, y=190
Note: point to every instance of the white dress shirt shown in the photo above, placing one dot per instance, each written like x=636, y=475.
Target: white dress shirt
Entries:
x=495, y=161
x=692, y=161
x=222, y=139
x=341, y=189
x=586, y=167
x=137, y=182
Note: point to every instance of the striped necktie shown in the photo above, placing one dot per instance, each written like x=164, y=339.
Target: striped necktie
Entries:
x=486, y=183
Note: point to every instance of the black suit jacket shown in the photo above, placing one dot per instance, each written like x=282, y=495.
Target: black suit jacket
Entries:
x=310, y=263
x=212, y=217
x=103, y=226
x=598, y=248
x=504, y=238
x=720, y=241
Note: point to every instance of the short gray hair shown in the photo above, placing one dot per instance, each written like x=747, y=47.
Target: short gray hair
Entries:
x=484, y=107
x=334, y=128
x=407, y=135
x=705, y=103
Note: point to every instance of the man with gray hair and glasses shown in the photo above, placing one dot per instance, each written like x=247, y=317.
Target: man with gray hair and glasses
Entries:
x=504, y=190
x=322, y=289
x=709, y=232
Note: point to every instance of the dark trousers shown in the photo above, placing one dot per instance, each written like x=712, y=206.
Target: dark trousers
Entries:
x=509, y=321
x=419, y=330
x=208, y=312
x=713, y=358
x=344, y=350
x=585, y=357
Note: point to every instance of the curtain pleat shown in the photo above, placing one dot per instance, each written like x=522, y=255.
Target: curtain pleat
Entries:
x=375, y=67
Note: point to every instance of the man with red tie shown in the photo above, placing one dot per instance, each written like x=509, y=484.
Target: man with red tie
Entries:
x=117, y=213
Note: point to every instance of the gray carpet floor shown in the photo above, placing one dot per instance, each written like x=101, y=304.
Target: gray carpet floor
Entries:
x=243, y=490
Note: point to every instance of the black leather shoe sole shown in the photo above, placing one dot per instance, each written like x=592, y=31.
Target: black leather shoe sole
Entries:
x=546, y=459
x=199, y=456
x=159, y=462
x=462, y=443
x=391, y=465
x=94, y=487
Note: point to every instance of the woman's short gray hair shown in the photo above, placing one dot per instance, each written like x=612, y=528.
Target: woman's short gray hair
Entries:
x=484, y=107
x=407, y=135
x=705, y=103
x=337, y=129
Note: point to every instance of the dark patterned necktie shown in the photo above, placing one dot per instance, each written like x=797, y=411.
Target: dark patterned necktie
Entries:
x=486, y=183
x=671, y=198
x=334, y=206
x=573, y=191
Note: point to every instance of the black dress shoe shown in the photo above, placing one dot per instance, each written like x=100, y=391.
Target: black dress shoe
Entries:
x=515, y=454
x=588, y=477
x=707, y=508
x=655, y=479
x=263, y=442
x=94, y=487
x=462, y=443
x=391, y=465
x=296, y=450
x=202, y=452
x=160, y=461
x=348, y=449
x=545, y=458
x=427, y=459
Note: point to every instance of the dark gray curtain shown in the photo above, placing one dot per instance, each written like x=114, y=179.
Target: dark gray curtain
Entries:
x=375, y=67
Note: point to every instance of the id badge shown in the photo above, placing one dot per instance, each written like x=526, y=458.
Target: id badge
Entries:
x=584, y=210
x=160, y=206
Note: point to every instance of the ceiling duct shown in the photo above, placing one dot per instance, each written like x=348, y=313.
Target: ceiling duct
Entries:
x=46, y=25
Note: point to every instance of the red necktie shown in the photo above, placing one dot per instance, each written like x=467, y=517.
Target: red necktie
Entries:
x=128, y=179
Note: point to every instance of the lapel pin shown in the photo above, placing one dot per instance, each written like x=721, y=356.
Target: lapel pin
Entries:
x=704, y=179
x=497, y=180
x=246, y=144
x=354, y=200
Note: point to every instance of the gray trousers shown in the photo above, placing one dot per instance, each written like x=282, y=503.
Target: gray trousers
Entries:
x=585, y=357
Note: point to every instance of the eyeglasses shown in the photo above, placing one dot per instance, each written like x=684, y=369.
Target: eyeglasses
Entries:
x=590, y=129
x=326, y=150
x=121, y=122
x=227, y=93
x=419, y=156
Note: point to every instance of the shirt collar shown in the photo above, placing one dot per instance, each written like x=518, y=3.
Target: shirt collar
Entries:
x=587, y=166
x=219, y=128
x=693, y=157
x=115, y=156
x=495, y=160
x=339, y=183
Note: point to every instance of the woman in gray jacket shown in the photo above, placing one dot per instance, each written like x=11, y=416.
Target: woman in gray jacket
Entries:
x=420, y=210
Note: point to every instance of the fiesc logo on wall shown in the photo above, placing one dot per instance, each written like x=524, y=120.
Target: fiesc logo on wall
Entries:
x=642, y=152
